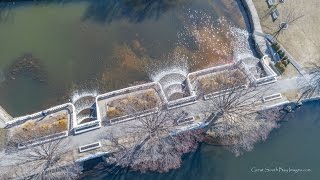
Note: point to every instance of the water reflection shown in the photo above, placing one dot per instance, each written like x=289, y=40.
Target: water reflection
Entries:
x=5, y=11
x=134, y=11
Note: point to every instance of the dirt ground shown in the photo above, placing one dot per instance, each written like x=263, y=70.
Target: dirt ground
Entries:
x=302, y=38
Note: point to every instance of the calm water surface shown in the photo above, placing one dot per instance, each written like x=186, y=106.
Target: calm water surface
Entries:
x=79, y=44
x=294, y=145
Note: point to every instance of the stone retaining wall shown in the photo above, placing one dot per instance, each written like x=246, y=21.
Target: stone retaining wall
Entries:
x=256, y=28
x=154, y=85
x=42, y=140
x=86, y=127
x=22, y=119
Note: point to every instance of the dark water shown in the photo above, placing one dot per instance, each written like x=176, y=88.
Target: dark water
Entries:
x=93, y=44
x=294, y=145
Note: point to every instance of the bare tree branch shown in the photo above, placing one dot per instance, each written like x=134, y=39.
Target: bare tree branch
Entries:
x=153, y=144
x=288, y=17
x=42, y=161
x=238, y=125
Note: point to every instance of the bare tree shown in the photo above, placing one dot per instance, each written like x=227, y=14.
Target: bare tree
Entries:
x=238, y=125
x=6, y=11
x=153, y=143
x=43, y=161
x=288, y=17
x=313, y=85
x=315, y=79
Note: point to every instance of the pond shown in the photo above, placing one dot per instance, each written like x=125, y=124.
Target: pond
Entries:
x=49, y=49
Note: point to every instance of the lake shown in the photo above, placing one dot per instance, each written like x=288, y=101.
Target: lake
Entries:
x=50, y=49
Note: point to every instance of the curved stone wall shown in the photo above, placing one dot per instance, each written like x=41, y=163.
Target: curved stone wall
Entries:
x=257, y=32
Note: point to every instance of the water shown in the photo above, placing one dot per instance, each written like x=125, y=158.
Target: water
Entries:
x=295, y=144
x=2, y=77
x=77, y=45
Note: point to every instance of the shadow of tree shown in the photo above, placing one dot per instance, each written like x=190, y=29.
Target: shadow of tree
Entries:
x=134, y=11
x=105, y=10
x=5, y=11
x=6, y=7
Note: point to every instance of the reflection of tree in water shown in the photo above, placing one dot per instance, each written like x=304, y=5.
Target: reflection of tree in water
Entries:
x=133, y=10
x=5, y=11
x=6, y=7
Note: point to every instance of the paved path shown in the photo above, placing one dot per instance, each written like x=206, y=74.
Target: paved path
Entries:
x=201, y=108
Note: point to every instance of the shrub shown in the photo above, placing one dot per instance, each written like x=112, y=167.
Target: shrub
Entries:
x=285, y=62
x=276, y=46
x=45, y=127
x=281, y=54
x=151, y=97
x=61, y=125
x=288, y=60
x=113, y=112
x=28, y=126
x=280, y=66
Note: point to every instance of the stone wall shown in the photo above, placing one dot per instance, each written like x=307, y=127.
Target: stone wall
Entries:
x=257, y=32
x=22, y=119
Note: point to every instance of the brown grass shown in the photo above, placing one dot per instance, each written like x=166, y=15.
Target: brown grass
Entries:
x=301, y=39
x=223, y=80
x=33, y=130
x=133, y=103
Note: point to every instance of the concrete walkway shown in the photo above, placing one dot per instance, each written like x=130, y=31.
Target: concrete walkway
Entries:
x=200, y=109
